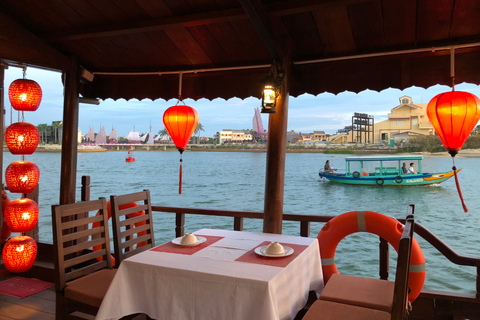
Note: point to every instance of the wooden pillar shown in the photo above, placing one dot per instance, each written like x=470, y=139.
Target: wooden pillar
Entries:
x=276, y=152
x=68, y=169
x=2, y=128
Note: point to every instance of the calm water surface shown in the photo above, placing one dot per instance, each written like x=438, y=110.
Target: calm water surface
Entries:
x=236, y=180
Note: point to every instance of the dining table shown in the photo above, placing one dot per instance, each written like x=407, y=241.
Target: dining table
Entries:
x=227, y=275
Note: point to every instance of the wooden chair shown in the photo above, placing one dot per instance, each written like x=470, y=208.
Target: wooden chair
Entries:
x=82, y=273
x=364, y=298
x=132, y=232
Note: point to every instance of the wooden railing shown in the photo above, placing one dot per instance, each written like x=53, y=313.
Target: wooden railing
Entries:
x=305, y=221
x=304, y=229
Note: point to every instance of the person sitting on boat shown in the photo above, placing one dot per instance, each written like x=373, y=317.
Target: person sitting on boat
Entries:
x=327, y=168
x=404, y=168
x=412, y=169
x=364, y=172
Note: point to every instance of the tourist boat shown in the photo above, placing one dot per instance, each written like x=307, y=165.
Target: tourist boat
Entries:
x=141, y=50
x=130, y=157
x=385, y=171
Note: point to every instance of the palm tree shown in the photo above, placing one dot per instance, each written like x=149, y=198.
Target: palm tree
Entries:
x=197, y=131
x=163, y=133
x=43, y=129
x=55, y=126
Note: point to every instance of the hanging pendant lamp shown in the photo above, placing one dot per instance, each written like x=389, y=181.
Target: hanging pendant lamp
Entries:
x=22, y=176
x=454, y=115
x=180, y=122
x=19, y=254
x=25, y=95
x=22, y=138
x=21, y=215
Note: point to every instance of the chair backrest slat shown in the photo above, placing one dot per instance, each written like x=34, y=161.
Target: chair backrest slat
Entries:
x=126, y=238
x=400, y=295
x=74, y=239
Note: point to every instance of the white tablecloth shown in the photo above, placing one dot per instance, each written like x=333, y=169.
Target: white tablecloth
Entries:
x=211, y=285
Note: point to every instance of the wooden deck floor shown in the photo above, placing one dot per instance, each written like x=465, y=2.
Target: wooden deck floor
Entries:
x=39, y=306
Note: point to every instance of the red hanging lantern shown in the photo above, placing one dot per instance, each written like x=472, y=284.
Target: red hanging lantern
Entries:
x=25, y=95
x=454, y=115
x=19, y=254
x=21, y=215
x=22, y=138
x=22, y=176
x=180, y=122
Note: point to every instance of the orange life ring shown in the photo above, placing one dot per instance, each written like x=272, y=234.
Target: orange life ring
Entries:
x=368, y=221
x=5, y=232
x=131, y=215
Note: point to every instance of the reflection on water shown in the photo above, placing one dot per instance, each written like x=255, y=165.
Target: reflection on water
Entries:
x=236, y=181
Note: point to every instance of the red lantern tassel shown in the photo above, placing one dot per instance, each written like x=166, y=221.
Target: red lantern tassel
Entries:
x=180, y=186
x=458, y=188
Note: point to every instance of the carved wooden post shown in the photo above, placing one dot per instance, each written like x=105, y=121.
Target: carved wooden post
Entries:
x=276, y=153
x=384, y=259
x=179, y=224
x=68, y=168
x=85, y=188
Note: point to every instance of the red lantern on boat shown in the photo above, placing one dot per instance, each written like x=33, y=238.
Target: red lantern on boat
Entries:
x=22, y=176
x=180, y=122
x=25, y=95
x=454, y=115
x=19, y=254
x=22, y=138
x=21, y=215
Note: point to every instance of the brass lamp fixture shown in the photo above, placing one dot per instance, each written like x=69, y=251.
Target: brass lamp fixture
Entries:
x=271, y=89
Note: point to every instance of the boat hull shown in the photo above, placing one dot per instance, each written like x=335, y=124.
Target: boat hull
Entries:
x=394, y=180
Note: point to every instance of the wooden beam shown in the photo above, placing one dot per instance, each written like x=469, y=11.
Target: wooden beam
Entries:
x=164, y=23
x=276, y=154
x=68, y=167
x=261, y=22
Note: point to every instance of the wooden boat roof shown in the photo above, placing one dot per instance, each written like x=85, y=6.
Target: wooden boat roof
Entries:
x=334, y=45
x=385, y=158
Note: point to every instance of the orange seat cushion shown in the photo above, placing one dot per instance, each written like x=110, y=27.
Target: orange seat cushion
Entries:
x=358, y=291
x=91, y=288
x=327, y=310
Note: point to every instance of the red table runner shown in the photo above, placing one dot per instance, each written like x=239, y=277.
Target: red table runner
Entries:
x=252, y=257
x=173, y=248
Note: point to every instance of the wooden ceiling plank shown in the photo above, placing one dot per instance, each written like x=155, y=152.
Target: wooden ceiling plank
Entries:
x=304, y=35
x=151, y=25
x=229, y=42
x=190, y=48
x=30, y=39
x=465, y=11
x=335, y=30
x=109, y=10
x=250, y=39
x=155, y=9
x=399, y=19
x=367, y=25
x=434, y=20
x=261, y=22
x=163, y=42
x=209, y=44
x=87, y=11
x=132, y=10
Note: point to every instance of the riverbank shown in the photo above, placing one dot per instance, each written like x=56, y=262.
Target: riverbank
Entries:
x=466, y=153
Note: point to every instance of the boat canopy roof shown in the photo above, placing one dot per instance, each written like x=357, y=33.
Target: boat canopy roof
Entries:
x=385, y=158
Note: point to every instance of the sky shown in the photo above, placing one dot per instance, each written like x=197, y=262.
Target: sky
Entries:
x=306, y=113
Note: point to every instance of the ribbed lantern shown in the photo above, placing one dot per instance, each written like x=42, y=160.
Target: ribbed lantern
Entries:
x=21, y=215
x=22, y=176
x=25, y=95
x=22, y=138
x=19, y=254
x=180, y=122
x=454, y=114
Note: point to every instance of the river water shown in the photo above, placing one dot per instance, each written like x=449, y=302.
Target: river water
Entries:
x=236, y=181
